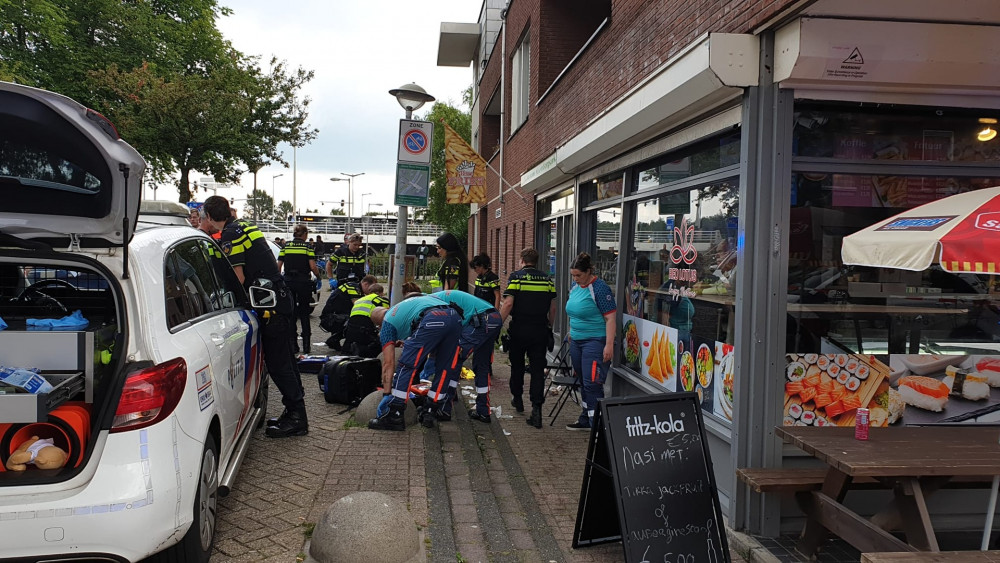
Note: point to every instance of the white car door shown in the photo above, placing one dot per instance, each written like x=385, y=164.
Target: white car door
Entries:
x=219, y=380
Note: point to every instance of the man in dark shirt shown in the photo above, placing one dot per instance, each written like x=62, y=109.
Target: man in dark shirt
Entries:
x=297, y=260
x=337, y=309
x=530, y=302
x=251, y=257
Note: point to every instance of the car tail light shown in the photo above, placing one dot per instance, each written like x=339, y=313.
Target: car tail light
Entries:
x=150, y=395
x=104, y=123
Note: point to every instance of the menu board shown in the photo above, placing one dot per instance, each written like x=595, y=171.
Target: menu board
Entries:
x=650, y=453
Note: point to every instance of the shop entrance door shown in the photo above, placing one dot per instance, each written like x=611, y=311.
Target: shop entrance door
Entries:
x=556, y=251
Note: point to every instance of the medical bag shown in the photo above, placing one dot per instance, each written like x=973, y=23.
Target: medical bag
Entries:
x=349, y=379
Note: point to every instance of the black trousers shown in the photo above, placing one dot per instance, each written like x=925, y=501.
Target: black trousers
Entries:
x=361, y=338
x=533, y=341
x=302, y=291
x=276, y=332
x=335, y=313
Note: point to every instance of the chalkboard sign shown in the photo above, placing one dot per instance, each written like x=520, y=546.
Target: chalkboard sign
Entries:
x=648, y=463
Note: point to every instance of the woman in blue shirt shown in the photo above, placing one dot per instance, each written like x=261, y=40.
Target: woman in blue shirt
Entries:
x=591, y=308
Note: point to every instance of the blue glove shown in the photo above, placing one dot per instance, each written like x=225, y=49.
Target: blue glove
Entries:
x=333, y=284
x=319, y=284
x=383, y=405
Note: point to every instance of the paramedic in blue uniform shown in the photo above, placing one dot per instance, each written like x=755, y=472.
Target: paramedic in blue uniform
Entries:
x=487, y=282
x=530, y=302
x=251, y=257
x=420, y=325
x=591, y=310
x=297, y=260
x=481, y=324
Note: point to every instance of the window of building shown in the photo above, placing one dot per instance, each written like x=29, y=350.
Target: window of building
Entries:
x=605, y=254
x=520, y=83
x=857, y=332
x=707, y=156
x=679, y=319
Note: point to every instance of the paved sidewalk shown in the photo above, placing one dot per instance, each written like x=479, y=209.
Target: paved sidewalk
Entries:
x=480, y=492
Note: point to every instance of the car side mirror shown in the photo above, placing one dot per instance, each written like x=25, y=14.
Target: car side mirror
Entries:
x=262, y=297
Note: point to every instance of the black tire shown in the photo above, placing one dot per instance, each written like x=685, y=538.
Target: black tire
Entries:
x=196, y=546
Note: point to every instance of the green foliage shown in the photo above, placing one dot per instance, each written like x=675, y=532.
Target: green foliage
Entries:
x=284, y=210
x=260, y=205
x=453, y=218
x=163, y=73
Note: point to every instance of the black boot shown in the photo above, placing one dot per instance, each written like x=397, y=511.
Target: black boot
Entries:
x=474, y=415
x=275, y=421
x=518, y=403
x=391, y=420
x=426, y=414
x=536, y=416
x=294, y=424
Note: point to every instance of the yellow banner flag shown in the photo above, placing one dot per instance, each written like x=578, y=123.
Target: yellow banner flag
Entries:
x=465, y=170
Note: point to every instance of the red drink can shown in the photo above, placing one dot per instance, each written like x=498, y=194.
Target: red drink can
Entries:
x=861, y=424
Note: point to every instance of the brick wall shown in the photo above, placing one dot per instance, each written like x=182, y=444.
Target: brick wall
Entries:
x=641, y=37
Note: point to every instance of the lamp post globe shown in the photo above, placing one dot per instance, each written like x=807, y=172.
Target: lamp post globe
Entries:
x=411, y=97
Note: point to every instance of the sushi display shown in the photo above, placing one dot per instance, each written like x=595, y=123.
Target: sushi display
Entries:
x=826, y=389
x=923, y=392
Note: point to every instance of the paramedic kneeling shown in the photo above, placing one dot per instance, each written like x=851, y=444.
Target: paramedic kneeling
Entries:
x=421, y=325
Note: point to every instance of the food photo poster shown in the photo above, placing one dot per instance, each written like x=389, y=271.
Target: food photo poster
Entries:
x=693, y=364
x=898, y=389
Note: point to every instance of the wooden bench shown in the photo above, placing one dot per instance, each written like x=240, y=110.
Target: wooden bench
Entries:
x=794, y=480
x=933, y=557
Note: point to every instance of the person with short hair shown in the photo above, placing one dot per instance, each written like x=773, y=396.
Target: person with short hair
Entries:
x=487, y=282
x=194, y=217
x=337, y=310
x=591, y=309
x=530, y=302
x=297, y=260
x=421, y=326
x=422, y=252
x=251, y=258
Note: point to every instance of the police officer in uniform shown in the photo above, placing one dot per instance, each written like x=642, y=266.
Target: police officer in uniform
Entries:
x=487, y=282
x=337, y=310
x=296, y=260
x=360, y=333
x=530, y=302
x=347, y=263
x=251, y=257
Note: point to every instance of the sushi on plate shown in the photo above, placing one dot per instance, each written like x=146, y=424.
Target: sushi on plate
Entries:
x=923, y=392
x=971, y=386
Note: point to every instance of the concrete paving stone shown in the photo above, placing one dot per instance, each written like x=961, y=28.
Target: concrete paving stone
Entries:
x=521, y=539
x=515, y=520
x=460, y=496
x=473, y=553
x=464, y=514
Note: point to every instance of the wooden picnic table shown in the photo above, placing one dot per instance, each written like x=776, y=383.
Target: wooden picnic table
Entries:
x=913, y=461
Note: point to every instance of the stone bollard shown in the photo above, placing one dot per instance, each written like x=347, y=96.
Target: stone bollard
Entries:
x=365, y=527
x=366, y=410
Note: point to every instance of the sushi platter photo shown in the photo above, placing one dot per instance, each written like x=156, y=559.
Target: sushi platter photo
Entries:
x=947, y=388
x=827, y=389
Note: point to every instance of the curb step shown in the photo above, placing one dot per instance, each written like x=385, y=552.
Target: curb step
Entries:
x=480, y=504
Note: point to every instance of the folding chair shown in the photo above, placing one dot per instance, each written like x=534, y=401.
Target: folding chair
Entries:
x=561, y=373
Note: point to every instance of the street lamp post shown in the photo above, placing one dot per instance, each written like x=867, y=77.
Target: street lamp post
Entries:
x=363, y=200
x=335, y=179
x=410, y=97
x=273, y=178
x=350, y=196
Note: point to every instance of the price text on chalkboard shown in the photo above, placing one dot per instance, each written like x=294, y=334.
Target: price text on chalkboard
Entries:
x=649, y=463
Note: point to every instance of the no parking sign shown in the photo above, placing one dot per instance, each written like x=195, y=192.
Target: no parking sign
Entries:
x=415, y=140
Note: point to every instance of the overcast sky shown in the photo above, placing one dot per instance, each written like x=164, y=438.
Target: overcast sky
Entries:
x=359, y=50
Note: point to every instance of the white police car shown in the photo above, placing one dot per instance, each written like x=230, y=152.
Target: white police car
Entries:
x=160, y=385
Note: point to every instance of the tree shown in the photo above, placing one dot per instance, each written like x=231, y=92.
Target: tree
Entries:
x=337, y=211
x=284, y=210
x=259, y=205
x=453, y=218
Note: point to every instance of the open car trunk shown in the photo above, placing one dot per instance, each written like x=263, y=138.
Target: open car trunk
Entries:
x=80, y=360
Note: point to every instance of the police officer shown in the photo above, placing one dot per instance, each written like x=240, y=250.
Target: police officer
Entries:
x=422, y=324
x=529, y=301
x=487, y=282
x=454, y=271
x=360, y=334
x=337, y=309
x=296, y=260
x=347, y=263
x=252, y=259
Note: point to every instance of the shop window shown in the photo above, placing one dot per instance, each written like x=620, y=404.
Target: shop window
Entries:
x=857, y=333
x=559, y=203
x=605, y=256
x=520, y=83
x=703, y=157
x=895, y=133
x=679, y=307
